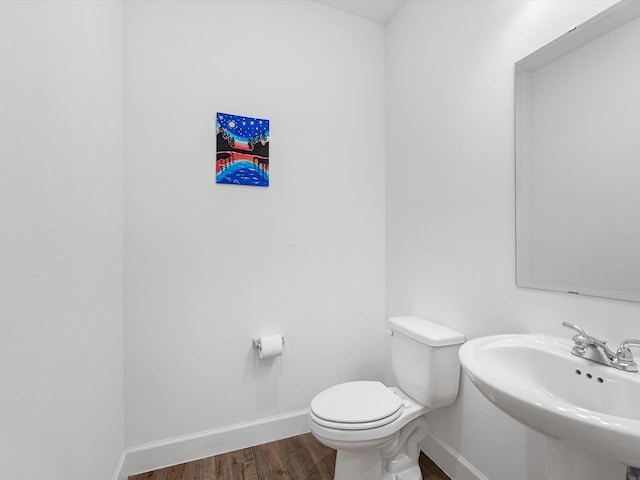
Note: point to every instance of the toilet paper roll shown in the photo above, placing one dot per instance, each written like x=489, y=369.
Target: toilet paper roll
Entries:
x=270, y=346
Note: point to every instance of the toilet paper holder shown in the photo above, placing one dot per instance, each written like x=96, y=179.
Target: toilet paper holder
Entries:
x=257, y=343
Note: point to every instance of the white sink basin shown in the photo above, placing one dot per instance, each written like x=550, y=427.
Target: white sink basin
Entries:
x=536, y=380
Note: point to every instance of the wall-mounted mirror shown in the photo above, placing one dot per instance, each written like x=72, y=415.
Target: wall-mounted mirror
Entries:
x=578, y=159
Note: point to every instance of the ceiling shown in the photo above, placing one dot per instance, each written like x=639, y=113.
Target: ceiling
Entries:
x=379, y=11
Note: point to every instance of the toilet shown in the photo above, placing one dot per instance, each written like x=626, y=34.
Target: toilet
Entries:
x=376, y=429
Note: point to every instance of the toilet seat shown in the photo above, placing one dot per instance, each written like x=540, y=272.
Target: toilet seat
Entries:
x=358, y=405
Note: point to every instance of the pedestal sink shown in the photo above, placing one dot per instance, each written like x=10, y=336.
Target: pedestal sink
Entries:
x=589, y=413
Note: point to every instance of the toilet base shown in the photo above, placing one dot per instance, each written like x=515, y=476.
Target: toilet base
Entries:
x=358, y=465
x=412, y=473
x=402, y=467
x=391, y=458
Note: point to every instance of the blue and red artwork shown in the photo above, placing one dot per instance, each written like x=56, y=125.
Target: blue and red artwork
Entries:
x=242, y=150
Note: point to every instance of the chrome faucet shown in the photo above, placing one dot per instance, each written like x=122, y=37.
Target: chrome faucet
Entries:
x=590, y=347
x=597, y=351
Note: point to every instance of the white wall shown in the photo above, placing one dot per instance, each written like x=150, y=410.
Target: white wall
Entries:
x=450, y=201
x=210, y=266
x=61, y=240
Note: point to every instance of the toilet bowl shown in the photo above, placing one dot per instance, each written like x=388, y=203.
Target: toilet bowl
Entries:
x=376, y=429
x=367, y=438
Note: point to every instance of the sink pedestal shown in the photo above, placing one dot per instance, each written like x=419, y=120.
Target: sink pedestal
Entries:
x=565, y=462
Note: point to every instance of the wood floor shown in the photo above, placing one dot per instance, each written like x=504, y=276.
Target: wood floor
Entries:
x=296, y=458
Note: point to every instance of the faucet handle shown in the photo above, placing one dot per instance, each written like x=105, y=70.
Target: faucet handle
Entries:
x=577, y=328
x=624, y=357
x=581, y=339
x=584, y=341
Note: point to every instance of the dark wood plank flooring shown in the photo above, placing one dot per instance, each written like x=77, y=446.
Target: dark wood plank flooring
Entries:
x=295, y=458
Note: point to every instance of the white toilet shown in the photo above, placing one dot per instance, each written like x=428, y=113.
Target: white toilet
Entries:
x=376, y=429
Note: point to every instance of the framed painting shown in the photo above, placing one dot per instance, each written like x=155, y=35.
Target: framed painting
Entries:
x=242, y=152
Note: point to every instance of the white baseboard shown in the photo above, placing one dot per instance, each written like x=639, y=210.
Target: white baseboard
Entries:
x=451, y=462
x=173, y=451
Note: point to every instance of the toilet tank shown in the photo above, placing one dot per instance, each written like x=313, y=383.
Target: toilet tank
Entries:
x=424, y=358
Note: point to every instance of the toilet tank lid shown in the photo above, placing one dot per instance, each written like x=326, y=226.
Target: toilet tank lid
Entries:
x=426, y=331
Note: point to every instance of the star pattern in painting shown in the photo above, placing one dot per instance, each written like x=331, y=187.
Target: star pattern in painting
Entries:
x=243, y=128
